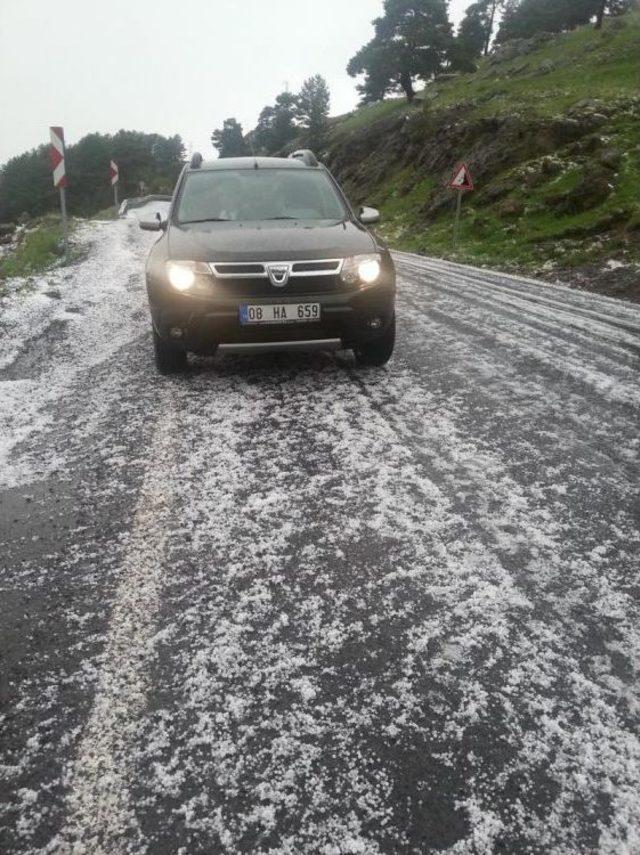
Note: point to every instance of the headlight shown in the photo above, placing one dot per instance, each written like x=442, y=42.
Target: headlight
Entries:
x=187, y=275
x=361, y=269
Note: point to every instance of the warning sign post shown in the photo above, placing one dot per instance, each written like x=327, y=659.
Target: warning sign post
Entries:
x=60, y=182
x=461, y=182
x=114, y=177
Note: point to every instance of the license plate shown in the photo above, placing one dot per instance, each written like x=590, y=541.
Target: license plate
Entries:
x=280, y=313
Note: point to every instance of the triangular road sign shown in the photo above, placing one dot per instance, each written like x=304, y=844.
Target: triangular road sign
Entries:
x=461, y=179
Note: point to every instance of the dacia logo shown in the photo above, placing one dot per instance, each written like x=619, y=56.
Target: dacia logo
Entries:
x=279, y=274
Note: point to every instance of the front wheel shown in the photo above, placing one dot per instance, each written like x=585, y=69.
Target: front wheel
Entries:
x=378, y=351
x=169, y=359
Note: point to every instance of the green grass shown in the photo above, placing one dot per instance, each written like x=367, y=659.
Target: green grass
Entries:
x=40, y=249
x=403, y=193
x=543, y=234
x=365, y=116
x=586, y=64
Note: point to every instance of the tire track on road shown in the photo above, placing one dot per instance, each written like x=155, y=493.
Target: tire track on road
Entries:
x=619, y=334
x=611, y=379
x=515, y=515
x=599, y=337
x=612, y=311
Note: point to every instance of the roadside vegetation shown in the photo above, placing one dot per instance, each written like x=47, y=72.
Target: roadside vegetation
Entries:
x=549, y=126
x=38, y=246
x=149, y=163
x=109, y=213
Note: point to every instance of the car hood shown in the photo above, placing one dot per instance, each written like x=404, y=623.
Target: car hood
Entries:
x=268, y=241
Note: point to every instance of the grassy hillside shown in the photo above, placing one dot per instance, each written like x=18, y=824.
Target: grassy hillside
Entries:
x=551, y=130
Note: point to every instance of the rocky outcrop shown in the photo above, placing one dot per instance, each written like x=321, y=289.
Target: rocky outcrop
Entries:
x=517, y=47
x=427, y=143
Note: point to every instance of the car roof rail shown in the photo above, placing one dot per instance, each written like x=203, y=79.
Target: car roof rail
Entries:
x=196, y=160
x=306, y=156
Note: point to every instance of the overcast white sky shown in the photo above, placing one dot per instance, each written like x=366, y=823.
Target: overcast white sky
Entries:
x=168, y=66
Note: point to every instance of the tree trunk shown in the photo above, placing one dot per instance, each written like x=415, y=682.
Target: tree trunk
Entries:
x=407, y=84
x=492, y=22
x=600, y=14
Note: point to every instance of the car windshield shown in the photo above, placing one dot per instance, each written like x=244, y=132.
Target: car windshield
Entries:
x=259, y=194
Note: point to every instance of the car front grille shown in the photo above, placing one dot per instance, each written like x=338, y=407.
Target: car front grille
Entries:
x=259, y=269
x=251, y=279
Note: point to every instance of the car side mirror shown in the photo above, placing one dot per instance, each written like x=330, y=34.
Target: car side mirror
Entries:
x=157, y=225
x=369, y=216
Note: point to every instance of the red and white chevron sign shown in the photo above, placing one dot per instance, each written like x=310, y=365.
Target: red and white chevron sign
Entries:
x=113, y=172
x=57, y=157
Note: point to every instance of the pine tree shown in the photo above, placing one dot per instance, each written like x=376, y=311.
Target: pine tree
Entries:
x=526, y=18
x=471, y=36
x=284, y=120
x=313, y=107
x=378, y=63
x=276, y=125
x=229, y=140
x=476, y=29
x=413, y=39
x=262, y=134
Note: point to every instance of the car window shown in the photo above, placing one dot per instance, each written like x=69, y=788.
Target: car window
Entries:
x=259, y=194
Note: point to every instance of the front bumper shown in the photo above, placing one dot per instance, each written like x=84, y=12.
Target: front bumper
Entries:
x=201, y=325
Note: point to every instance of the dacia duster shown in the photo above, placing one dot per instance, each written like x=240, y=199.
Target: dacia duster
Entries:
x=266, y=253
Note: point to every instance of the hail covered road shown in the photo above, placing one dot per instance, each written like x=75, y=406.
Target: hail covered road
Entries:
x=282, y=604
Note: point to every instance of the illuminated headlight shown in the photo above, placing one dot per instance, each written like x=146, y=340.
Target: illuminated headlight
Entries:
x=361, y=269
x=186, y=275
x=369, y=270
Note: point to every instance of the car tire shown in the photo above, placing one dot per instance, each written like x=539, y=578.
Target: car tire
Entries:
x=169, y=359
x=378, y=351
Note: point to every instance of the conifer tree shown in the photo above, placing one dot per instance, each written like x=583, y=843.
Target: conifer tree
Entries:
x=413, y=40
x=313, y=107
x=229, y=140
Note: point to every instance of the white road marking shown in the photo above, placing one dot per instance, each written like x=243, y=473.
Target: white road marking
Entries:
x=101, y=817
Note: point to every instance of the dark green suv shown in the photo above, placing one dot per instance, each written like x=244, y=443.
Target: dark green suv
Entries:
x=263, y=254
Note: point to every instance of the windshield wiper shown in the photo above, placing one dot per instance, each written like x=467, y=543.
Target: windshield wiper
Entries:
x=206, y=220
x=282, y=218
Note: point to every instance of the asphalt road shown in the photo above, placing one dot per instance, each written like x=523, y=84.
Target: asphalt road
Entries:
x=282, y=604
